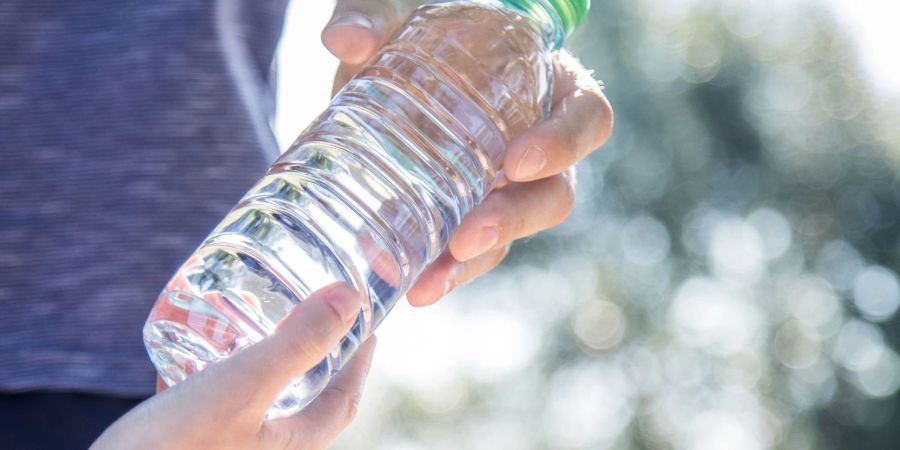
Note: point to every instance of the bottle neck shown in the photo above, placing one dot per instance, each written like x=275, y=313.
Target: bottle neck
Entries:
x=542, y=12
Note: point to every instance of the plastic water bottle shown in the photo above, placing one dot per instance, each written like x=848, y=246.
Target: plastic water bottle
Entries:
x=370, y=193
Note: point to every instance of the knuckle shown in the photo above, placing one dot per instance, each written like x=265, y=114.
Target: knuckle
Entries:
x=348, y=403
x=309, y=344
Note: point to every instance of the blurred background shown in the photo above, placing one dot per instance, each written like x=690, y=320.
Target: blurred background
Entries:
x=727, y=279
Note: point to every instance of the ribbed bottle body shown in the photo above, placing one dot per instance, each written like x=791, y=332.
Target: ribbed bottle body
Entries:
x=369, y=194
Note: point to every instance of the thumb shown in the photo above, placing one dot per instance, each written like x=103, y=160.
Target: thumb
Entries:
x=250, y=381
x=359, y=28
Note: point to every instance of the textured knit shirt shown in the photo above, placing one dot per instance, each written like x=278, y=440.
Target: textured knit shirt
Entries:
x=128, y=128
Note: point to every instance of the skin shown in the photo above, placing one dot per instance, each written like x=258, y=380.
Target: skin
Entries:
x=223, y=407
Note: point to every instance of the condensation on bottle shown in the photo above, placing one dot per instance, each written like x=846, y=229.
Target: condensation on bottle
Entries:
x=372, y=190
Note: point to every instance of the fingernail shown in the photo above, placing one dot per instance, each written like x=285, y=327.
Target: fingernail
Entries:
x=351, y=20
x=531, y=163
x=486, y=240
x=344, y=300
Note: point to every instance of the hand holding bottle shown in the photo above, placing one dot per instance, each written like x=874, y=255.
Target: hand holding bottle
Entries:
x=539, y=164
x=223, y=407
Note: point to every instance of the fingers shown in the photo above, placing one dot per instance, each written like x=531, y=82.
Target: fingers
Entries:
x=250, y=381
x=518, y=210
x=580, y=121
x=320, y=422
x=359, y=28
x=446, y=273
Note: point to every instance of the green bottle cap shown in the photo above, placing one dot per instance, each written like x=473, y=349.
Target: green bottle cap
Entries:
x=571, y=12
x=561, y=16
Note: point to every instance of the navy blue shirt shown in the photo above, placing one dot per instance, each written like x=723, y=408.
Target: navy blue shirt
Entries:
x=128, y=128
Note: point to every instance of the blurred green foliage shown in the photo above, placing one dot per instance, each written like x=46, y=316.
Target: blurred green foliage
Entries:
x=727, y=278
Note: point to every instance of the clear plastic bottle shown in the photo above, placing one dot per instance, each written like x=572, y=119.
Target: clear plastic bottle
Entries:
x=370, y=193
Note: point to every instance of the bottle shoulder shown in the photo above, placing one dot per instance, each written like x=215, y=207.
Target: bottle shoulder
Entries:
x=492, y=51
